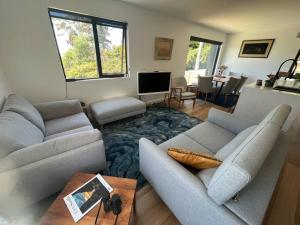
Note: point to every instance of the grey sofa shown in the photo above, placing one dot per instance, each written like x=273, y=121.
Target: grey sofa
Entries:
x=42, y=146
x=239, y=190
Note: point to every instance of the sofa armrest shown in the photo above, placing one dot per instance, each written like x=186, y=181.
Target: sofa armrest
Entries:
x=57, y=109
x=48, y=149
x=183, y=192
x=229, y=121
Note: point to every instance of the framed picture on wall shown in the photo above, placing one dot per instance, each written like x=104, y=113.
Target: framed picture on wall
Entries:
x=163, y=48
x=256, y=48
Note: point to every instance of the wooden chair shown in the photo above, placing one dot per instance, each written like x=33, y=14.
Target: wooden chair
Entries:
x=205, y=86
x=181, y=91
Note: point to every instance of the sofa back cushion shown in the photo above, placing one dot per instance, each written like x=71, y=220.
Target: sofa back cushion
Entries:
x=242, y=165
x=16, y=133
x=21, y=106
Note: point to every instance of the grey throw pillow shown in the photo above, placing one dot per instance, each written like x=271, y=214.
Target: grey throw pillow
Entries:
x=20, y=105
x=16, y=133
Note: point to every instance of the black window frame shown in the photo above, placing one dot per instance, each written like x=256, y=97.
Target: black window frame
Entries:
x=94, y=21
x=218, y=43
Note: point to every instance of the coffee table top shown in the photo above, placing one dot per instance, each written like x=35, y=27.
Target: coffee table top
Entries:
x=58, y=213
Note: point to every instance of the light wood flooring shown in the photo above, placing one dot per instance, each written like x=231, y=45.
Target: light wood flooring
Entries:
x=284, y=208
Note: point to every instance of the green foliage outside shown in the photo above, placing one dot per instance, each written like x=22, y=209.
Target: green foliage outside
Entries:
x=192, y=55
x=79, y=60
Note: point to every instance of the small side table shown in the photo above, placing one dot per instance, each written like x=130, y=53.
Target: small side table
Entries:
x=58, y=213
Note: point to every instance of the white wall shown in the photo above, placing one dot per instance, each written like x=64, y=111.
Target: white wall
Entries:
x=286, y=46
x=4, y=88
x=32, y=62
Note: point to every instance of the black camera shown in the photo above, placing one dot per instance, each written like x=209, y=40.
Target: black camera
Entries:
x=113, y=204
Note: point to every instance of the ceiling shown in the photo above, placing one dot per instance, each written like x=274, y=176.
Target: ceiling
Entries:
x=230, y=16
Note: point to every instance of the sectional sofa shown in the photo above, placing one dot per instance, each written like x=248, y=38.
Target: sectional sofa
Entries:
x=239, y=190
x=42, y=146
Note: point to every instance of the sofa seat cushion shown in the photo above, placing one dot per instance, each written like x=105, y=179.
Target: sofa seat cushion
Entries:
x=211, y=136
x=17, y=133
x=186, y=95
x=183, y=141
x=66, y=123
x=117, y=108
x=69, y=132
x=224, y=152
x=21, y=106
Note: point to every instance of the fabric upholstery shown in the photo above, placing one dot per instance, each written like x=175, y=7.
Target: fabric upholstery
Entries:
x=20, y=105
x=254, y=199
x=185, y=94
x=238, y=169
x=224, y=152
x=230, y=86
x=278, y=115
x=206, y=175
x=205, y=84
x=117, y=108
x=66, y=123
x=253, y=158
x=16, y=133
x=229, y=121
x=184, y=141
x=58, y=109
x=240, y=84
x=68, y=132
x=182, y=191
x=33, y=182
x=48, y=149
x=193, y=159
x=210, y=136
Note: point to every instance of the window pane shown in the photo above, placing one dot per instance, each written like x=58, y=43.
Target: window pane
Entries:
x=77, y=48
x=201, y=60
x=112, y=50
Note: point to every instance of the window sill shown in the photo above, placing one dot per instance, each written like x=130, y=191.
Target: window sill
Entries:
x=98, y=79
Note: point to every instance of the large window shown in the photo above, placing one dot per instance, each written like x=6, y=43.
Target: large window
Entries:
x=202, y=58
x=90, y=47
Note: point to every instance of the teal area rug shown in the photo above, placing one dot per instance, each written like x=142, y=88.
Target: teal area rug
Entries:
x=121, y=138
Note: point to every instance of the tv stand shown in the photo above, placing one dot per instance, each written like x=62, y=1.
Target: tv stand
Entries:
x=167, y=103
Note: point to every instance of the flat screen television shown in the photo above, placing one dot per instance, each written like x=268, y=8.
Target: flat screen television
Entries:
x=153, y=82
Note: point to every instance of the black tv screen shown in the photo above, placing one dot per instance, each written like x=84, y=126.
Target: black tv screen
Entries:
x=153, y=82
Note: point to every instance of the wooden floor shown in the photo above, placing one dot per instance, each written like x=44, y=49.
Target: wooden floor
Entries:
x=284, y=208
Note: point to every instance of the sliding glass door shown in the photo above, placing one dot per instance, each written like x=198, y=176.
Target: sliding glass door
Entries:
x=202, y=58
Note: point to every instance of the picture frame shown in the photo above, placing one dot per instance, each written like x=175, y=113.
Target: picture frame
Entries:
x=163, y=48
x=256, y=48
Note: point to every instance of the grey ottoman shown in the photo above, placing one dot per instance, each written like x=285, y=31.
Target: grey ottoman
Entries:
x=118, y=108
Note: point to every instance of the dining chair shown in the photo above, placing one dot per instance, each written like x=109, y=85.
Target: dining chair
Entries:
x=181, y=91
x=229, y=88
x=205, y=86
x=240, y=85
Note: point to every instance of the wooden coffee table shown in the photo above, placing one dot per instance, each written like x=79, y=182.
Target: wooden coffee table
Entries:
x=58, y=213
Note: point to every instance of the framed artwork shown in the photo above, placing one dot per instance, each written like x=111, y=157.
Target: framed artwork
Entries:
x=163, y=48
x=256, y=48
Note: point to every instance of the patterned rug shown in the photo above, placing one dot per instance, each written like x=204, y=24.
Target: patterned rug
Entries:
x=121, y=138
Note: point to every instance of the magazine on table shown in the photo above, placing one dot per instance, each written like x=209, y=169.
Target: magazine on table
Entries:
x=87, y=196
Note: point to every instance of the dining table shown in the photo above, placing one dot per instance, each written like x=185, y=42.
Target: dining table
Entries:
x=221, y=79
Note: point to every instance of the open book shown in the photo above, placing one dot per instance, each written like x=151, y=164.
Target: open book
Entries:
x=87, y=196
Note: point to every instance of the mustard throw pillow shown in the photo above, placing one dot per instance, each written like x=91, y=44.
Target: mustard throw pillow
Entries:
x=193, y=159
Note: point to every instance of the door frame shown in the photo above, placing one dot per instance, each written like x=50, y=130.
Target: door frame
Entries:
x=218, y=43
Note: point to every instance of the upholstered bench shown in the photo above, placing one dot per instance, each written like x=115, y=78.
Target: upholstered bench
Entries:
x=118, y=108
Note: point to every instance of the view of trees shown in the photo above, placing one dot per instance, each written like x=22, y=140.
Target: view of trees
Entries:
x=78, y=53
x=193, y=53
